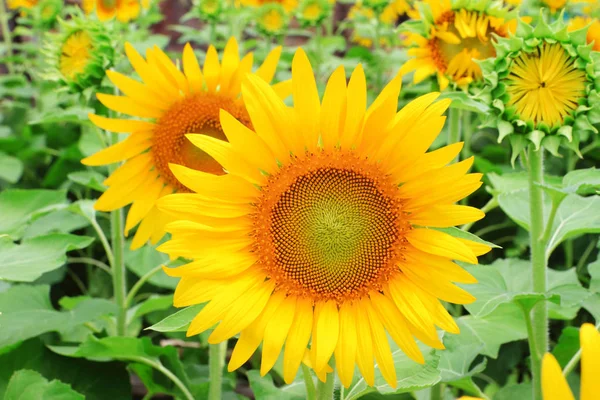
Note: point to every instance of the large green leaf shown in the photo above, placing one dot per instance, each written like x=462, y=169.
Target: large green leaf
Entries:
x=96, y=381
x=178, y=322
x=505, y=324
x=583, y=181
x=567, y=346
x=151, y=304
x=509, y=280
x=411, y=376
x=11, y=168
x=26, y=312
x=59, y=221
x=18, y=206
x=33, y=257
x=128, y=349
x=30, y=385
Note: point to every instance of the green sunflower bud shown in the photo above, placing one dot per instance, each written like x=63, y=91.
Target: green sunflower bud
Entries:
x=376, y=5
x=209, y=10
x=79, y=54
x=271, y=19
x=541, y=87
x=313, y=12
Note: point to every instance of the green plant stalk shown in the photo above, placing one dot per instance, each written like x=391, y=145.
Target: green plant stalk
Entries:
x=311, y=393
x=216, y=361
x=454, y=115
x=138, y=285
x=538, y=334
x=119, y=273
x=467, y=132
x=325, y=389
x=7, y=36
x=436, y=392
x=165, y=371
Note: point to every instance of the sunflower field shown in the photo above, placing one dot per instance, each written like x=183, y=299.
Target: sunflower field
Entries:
x=300, y=199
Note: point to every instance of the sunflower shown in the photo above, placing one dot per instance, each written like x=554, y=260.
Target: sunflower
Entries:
x=78, y=53
x=313, y=12
x=593, y=33
x=288, y=5
x=363, y=14
x=554, y=384
x=323, y=231
x=271, y=19
x=172, y=103
x=124, y=10
x=453, y=36
x=540, y=87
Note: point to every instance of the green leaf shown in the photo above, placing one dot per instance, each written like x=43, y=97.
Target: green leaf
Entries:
x=95, y=381
x=567, y=346
x=91, y=179
x=263, y=388
x=411, y=376
x=594, y=271
x=457, y=358
x=144, y=260
x=26, y=312
x=28, y=261
x=506, y=324
x=577, y=180
x=522, y=391
x=151, y=304
x=30, y=385
x=129, y=349
x=59, y=221
x=178, y=322
x=504, y=281
x=72, y=114
x=17, y=206
x=11, y=168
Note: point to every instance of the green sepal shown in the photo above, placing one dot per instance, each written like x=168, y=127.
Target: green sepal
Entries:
x=518, y=143
x=536, y=137
x=505, y=128
x=552, y=143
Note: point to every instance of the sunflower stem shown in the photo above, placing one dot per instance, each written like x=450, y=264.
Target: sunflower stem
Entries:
x=138, y=285
x=325, y=389
x=454, y=115
x=538, y=334
x=436, y=392
x=118, y=270
x=7, y=36
x=467, y=131
x=216, y=361
x=311, y=392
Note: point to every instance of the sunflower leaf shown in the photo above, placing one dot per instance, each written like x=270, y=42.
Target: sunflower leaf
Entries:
x=178, y=322
x=30, y=385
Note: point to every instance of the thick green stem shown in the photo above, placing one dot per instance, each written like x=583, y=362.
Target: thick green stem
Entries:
x=325, y=389
x=436, y=392
x=454, y=116
x=467, y=131
x=216, y=361
x=7, y=37
x=118, y=270
x=311, y=392
x=538, y=335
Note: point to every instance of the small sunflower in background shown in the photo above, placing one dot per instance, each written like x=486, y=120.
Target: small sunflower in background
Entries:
x=123, y=10
x=313, y=12
x=558, y=5
x=322, y=233
x=554, y=384
x=593, y=33
x=541, y=86
x=170, y=103
x=451, y=36
x=288, y=5
x=209, y=10
x=271, y=20
x=363, y=14
x=79, y=53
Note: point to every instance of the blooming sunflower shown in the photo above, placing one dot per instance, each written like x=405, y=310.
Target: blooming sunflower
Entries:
x=541, y=86
x=554, y=384
x=172, y=103
x=124, y=10
x=78, y=54
x=451, y=36
x=323, y=229
x=288, y=5
x=271, y=19
x=593, y=33
x=313, y=12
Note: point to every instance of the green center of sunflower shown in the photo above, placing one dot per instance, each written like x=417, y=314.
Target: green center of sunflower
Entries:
x=331, y=229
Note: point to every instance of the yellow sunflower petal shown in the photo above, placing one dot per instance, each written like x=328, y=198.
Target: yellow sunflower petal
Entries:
x=554, y=385
x=267, y=70
x=276, y=332
x=345, y=351
x=212, y=69
x=298, y=338
x=120, y=125
x=441, y=244
x=192, y=70
x=590, y=362
x=128, y=148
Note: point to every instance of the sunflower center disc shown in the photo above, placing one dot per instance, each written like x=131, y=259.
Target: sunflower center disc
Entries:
x=194, y=114
x=332, y=232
